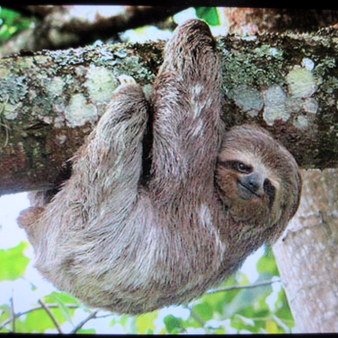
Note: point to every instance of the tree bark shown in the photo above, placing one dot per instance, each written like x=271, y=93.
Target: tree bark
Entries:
x=49, y=101
x=307, y=255
x=254, y=20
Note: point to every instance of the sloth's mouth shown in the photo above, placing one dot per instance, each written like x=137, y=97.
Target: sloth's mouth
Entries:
x=246, y=192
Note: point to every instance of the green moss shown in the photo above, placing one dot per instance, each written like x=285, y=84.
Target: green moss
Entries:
x=13, y=89
x=268, y=52
x=9, y=111
x=330, y=85
x=42, y=105
x=134, y=67
x=325, y=67
x=4, y=72
x=252, y=67
x=68, y=57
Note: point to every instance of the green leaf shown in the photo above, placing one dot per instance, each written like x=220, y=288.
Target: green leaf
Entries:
x=267, y=264
x=218, y=300
x=86, y=331
x=5, y=313
x=284, y=313
x=209, y=14
x=11, y=23
x=246, y=298
x=242, y=323
x=146, y=322
x=35, y=322
x=38, y=321
x=204, y=311
x=271, y=327
x=13, y=262
x=62, y=299
x=173, y=324
x=220, y=331
x=125, y=321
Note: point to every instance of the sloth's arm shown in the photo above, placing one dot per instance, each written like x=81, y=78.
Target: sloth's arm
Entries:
x=106, y=170
x=187, y=107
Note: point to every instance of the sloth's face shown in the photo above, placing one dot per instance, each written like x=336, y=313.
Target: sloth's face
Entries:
x=247, y=187
x=258, y=179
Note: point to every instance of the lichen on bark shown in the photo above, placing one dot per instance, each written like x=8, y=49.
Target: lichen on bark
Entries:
x=52, y=99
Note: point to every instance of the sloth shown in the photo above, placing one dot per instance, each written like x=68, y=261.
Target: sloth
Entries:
x=127, y=244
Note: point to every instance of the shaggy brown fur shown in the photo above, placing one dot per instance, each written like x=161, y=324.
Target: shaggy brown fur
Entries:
x=212, y=198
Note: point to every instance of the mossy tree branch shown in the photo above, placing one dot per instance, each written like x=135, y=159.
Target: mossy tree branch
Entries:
x=49, y=101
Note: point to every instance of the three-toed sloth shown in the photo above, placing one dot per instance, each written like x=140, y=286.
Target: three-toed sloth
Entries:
x=122, y=243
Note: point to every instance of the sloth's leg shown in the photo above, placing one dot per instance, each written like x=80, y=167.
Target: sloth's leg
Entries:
x=110, y=165
x=187, y=104
x=106, y=169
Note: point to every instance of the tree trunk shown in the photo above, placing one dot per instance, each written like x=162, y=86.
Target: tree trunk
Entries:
x=307, y=255
x=49, y=101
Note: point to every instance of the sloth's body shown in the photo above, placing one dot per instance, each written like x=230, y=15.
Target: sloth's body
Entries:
x=211, y=198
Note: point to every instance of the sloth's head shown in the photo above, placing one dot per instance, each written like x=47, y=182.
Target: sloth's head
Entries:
x=258, y=178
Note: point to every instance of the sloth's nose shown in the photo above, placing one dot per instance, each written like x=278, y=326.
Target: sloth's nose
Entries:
x=253, y=182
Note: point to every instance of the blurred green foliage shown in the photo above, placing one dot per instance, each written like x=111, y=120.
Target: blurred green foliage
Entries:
x=208, y=14
x=11, y=23
x=13, y=262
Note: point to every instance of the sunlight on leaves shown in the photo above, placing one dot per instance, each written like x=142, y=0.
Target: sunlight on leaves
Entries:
x=203, y=310
x=146, y=322
x=13, y=262
x=62, y=300
x=34, y=322
x=209, y=14
x=173, y=324
x=11, y=23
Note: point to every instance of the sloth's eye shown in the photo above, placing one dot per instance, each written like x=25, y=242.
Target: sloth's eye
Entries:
x=242, y=168
x=236, y=165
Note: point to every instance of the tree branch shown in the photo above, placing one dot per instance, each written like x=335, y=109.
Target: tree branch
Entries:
x=51, y=100
x=13, y=315
x=92, y=315
x=50, y=315
x=19, y=314
x=239, y=287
